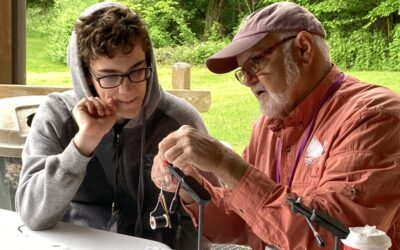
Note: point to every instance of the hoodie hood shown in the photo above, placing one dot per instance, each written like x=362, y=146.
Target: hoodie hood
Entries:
x=81, y=86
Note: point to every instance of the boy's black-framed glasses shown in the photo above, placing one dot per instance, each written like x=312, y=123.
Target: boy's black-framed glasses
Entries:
x=115, y=80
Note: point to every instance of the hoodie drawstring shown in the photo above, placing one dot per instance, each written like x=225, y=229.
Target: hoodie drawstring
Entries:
x=140, y=195
x=112, y=223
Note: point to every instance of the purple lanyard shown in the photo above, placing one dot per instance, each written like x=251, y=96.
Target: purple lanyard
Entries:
x=303, y=144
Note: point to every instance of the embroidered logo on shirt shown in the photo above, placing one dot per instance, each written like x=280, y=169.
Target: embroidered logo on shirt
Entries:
x=314, y=151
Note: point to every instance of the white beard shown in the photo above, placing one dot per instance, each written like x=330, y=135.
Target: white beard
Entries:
x=271, y=104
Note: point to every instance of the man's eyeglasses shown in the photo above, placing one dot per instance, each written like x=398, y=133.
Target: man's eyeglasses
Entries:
x=251, y=66
x=113, y=81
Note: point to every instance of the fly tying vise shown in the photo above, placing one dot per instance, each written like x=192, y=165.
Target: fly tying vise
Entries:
x=164, y=220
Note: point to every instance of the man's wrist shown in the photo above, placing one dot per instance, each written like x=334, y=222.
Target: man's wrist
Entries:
x=231, y=169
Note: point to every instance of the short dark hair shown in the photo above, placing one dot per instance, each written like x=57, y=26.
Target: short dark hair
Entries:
x=108, y=29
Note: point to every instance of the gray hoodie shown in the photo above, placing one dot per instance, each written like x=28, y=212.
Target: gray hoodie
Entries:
x=57, y=183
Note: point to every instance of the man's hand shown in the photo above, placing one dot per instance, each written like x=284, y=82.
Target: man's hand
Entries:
x=95, y=118
x=163, y=179
x=189, y=147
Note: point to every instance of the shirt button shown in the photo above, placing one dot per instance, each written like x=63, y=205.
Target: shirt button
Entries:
x=288, y=149
x=241, y=211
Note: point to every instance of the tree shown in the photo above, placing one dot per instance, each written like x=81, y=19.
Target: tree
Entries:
x=214, y=12
x=387, y=15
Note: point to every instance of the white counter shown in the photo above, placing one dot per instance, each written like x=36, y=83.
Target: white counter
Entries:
x=66, y=236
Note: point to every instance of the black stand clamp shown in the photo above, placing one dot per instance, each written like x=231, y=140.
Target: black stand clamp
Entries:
x=197, y=192
x=335, y=227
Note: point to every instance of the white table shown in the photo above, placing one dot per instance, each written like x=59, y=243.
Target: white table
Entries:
x=66, y=236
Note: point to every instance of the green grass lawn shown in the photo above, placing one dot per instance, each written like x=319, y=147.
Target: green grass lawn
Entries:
x=233, y=107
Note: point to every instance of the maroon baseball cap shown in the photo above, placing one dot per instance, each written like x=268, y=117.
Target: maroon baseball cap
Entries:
x=284, y=16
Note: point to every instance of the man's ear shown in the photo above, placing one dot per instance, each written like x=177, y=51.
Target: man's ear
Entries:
x=305, y=47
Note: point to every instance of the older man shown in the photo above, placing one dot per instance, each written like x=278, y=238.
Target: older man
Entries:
x=324, y=136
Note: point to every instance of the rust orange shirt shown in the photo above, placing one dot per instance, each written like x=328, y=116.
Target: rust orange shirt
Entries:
x=350, y=169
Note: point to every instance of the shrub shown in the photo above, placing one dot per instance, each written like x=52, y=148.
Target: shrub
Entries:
x=165, y=20
x=63, y=17
x=195, y=54
x=394, y=49
x=37, y=22
x=360, y=50
x=353, y=44
x=167, y=24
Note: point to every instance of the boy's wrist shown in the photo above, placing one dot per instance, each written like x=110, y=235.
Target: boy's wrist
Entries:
x=85, y=144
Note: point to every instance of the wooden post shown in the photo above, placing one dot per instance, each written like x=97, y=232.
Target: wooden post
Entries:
x=19, y=41
x=12, y=41
x=5, y=42
x=181, y=75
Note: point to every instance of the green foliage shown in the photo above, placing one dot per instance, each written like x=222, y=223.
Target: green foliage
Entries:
x=63, y=17
x=44, y=4
x=136, y=6
x=360, y=50
x=394, y=49
x=195, y=54
x=384, y=9
x=164, y=13
x=363, y=34
x=167, y=24
x=39, y=62
x=37, y=24
x=360, y=31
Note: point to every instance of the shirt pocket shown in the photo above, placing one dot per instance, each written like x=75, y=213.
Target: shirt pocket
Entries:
x=308, y=173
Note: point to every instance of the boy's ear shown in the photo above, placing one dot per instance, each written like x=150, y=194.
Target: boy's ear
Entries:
x=93, y=90
x=89, y=79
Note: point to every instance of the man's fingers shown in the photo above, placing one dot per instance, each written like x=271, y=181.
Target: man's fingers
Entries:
x=165, y=182
x=172, y=154
x=160, y=175
x=166, y=144
x=178, y=147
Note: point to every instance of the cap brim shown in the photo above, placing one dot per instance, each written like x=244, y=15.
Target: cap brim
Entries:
x=225, y=60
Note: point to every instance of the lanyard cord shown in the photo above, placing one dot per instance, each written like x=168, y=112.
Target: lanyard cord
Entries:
x=306, y=137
